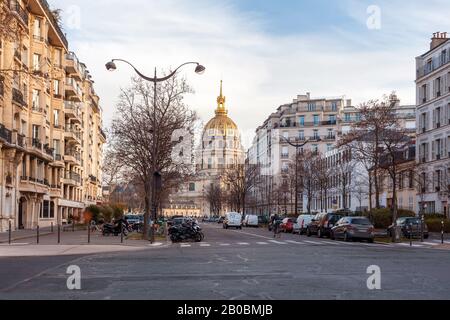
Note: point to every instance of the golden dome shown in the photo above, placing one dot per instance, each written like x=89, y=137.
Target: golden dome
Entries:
x=221, y=121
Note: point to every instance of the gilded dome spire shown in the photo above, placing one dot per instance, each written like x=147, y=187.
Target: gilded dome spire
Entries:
x=221, y=102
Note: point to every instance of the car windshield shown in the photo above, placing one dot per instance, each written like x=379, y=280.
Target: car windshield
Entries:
x=401, y=220
x=413, y=221
x=361, y=221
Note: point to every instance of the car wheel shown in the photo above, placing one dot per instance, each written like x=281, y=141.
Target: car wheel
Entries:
x=308, y=232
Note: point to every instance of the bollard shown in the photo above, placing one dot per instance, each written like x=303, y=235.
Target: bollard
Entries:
x=410, y=235
x=442, y=232
x=89, y=233
x=73, y=225
x=121, y=232
x=9, y=232
x=59, y=233
x=37, y=234
x=51, y=228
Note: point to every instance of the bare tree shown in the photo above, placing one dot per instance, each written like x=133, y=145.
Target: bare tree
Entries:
x=366, y=137
x=241, y=178
x=308, y=177
x=139, y=145
x=343, y=171
x=214, y=196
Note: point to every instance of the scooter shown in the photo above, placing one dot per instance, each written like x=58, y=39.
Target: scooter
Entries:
x=114, y=229
x=180, y=233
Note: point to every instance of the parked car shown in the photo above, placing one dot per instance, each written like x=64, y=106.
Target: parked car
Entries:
x=263, y=220
x=220, y=220
x=302, y=223
x=132, y=218
x=232, y=220
x=251, y=221
x=287, y=225
x=353, y=228
x=321, y=224
x=410, y=227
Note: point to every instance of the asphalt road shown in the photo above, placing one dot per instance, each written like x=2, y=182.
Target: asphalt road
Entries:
x=235, y=265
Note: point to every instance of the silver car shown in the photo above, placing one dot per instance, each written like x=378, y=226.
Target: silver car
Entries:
x=353, y=228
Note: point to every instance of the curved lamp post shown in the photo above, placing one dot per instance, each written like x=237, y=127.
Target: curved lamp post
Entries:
x=156, y=176
x=297, y=147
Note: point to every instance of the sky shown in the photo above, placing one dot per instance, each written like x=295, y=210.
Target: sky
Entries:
x=266, y=52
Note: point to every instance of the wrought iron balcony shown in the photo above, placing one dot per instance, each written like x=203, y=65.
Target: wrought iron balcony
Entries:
x=17, y=97
x=5, y=133
x=21, y=12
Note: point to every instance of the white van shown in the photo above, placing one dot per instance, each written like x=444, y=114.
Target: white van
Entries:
x=251, y=221
x=232, y=220
x=302, y=223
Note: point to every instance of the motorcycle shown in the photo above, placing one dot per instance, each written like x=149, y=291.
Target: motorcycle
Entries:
x=186, y=232
x=115, y=229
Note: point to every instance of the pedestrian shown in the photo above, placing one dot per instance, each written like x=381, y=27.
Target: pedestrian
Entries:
x=276, y=225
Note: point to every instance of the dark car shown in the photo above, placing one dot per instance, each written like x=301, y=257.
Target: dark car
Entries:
x=353, y=228
x=287, y=225
x=321, y=224
x=221, y=220
x=410, y=227
x=263, y=220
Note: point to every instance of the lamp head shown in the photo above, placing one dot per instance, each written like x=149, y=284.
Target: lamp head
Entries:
x=111, y=66
x=200, y=69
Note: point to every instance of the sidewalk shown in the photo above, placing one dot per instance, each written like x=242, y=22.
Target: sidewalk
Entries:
x=24, y=234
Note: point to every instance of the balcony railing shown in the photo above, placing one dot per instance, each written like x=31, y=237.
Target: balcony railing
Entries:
x=2, y=86
x=36, y=143
x=21, y=12
x=49, y=151
x=73, y=176
x=5, y=133
x=17, y=96
x=46, y=7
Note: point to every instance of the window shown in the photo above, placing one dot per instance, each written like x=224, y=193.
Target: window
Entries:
x=36, y=62
x=315, y=148
x=311, y=106
x=285, y=152
x=37, y=29
x=286, y=134
x=334, y=106
x=347, y=117
x=35, y=132
x=301, y=135
x=316, y=119
x=191, y=187
x=423, y=93
x=437, y=87
x=57, y=146
x=56, y=118
x=316, y=135
x=423, y=122
x=332, y=119
x=56, y=87
x=58, y=57
x=329, y=147
x=36, y=99
x=301, y=120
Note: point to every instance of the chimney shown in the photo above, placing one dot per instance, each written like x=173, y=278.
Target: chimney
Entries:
x=349, y=102
x=438, y=39
x=308, y=94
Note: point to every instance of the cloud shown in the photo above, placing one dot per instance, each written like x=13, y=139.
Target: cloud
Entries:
x=261, y=70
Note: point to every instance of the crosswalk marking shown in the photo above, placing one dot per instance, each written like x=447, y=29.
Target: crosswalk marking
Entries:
x=205, y=245
x=313, y=242
x=277, y=242
x=224, y=244
x=243, y=243
x=294, y=242
x=185, y=245
x=262, y=243
x=329, y=242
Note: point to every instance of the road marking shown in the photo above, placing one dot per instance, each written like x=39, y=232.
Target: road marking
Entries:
x=262, y=243
x=224, y=244
x=184, y=245
x=243, y=243
x=431, y=243
x=205, y=245
x=440, y=241
x=294, y=242
x=156, y=244
x=408, y=245
x=330, y=242
x=14, y=244
x=313, y=242
x=277, y=242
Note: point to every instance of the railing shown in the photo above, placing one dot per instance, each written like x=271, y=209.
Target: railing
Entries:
x=57, y=157
x=73, y=176
x=21, y=140
x=36, y=143
x=77, y=156
x=77, y=133
x=46, y=7
x=17, y=97
x=21, y=12
x=5, y=133
x=49, y=151
x=71, y=105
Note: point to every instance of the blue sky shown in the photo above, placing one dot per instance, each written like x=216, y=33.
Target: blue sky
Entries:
x=267, y=52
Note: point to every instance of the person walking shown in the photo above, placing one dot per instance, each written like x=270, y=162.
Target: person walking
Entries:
x=276, y=225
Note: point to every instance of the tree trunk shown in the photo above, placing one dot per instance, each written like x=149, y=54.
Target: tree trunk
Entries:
x=377, y=189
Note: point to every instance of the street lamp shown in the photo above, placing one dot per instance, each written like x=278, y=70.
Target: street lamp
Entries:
x=297, y=147
x=156, y=176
